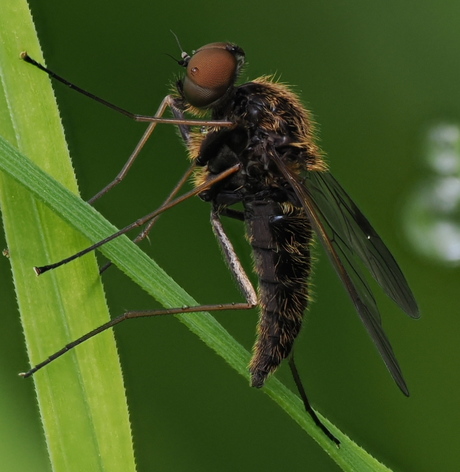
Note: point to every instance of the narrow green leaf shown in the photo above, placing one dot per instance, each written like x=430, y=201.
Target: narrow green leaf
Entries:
x=81, y=400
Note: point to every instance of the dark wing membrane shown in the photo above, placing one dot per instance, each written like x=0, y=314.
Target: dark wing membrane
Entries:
x=355, y=236
x=339, y=230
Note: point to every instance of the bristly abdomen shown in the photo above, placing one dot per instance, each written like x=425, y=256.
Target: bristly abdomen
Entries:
x=280, y=238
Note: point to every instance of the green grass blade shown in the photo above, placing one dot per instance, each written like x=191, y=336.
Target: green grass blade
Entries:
x=81, y=400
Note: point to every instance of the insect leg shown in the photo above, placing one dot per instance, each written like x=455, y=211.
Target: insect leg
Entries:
x=170, y=102
x=145, y=232
x=231, y=213
x=306, y=402
x=167, y=102
x=131, y=315
x=141, y=221
x=232, y=260
x=236, y=268
x=133, y=116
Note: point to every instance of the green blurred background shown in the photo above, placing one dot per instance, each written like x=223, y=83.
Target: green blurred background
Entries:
x=377, y=76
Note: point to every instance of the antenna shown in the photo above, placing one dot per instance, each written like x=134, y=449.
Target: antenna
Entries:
x=185, y=57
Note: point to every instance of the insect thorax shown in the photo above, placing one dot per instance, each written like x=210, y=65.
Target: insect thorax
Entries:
x=269, y=119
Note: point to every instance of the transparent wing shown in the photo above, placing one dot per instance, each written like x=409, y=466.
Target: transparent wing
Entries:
x=354, y=236
x=350, y=242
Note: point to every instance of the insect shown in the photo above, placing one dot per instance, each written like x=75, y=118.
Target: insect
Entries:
x=255, y=160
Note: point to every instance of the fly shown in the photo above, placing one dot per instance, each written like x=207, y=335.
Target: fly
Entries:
x=257, y=150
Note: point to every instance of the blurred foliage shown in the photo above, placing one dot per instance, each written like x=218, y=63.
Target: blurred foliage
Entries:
x=432, y=213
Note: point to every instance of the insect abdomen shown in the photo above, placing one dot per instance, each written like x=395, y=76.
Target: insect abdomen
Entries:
x=280, y=237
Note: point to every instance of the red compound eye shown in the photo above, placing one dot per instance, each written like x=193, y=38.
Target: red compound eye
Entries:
x=211, y=71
